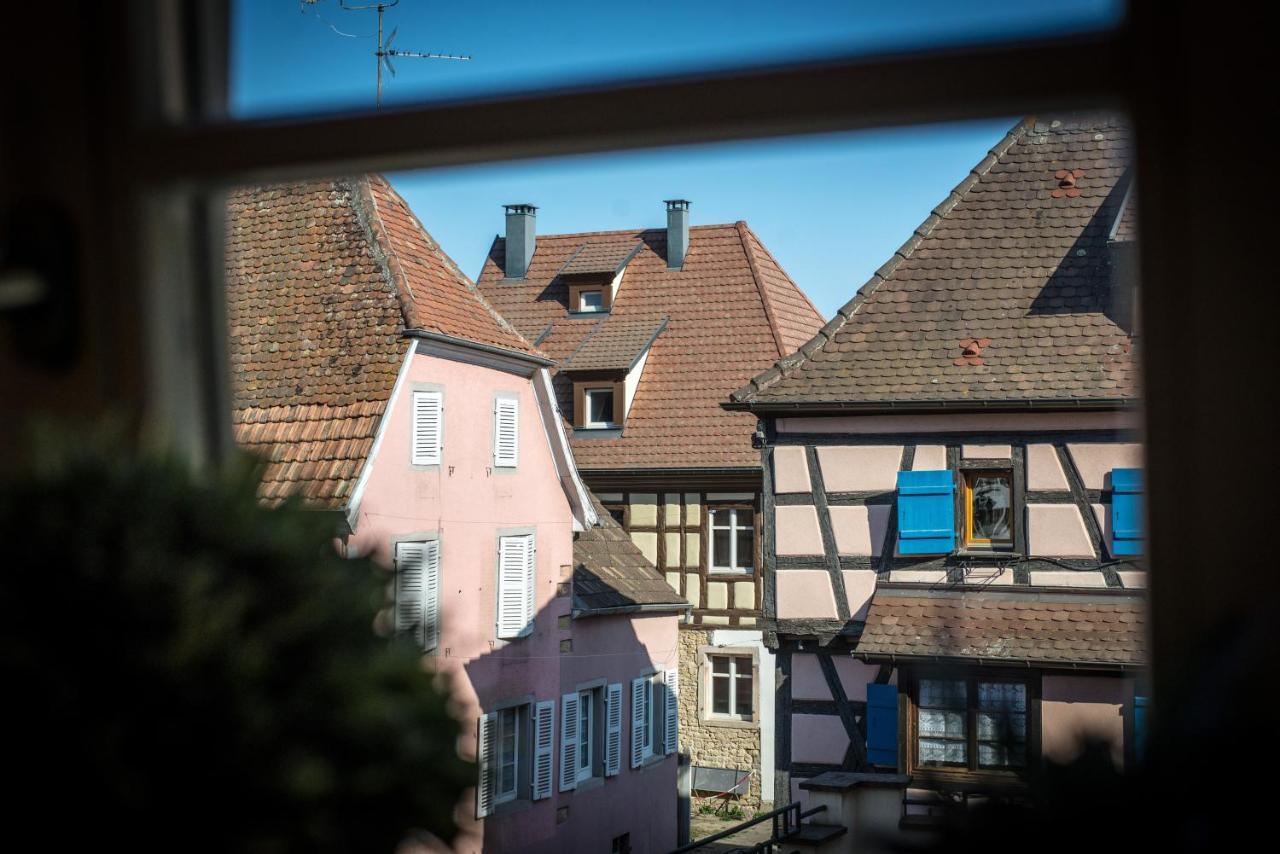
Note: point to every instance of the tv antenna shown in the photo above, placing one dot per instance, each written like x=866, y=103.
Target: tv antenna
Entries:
x=384, y=51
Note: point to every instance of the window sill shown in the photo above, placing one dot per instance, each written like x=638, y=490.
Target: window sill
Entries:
x=970, y=781
x=588, y=784
x=652, y=760
x=508, y=807
x=722, y=571
x=729, y=723
x=588, y=313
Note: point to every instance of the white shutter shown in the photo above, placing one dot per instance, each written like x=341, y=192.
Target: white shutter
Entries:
x=543, y=749
x=410, y=583
x=515, y=594
x=486, y=732
x=506, y=432
x=670, y=730
x=569, y=742
x=639, y=703
x=428, y=427
x=431, y=595
x=613, y=730
x=530, y=582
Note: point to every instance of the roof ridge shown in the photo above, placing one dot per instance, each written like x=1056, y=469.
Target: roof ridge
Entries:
x=847, y=311
x=618, y=231
x=440, y=254
x=741, y=227
x=760, y=245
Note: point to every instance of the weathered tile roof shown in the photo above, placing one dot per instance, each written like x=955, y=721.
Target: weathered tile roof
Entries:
x=322, y=279
x=1016, y=627
x=732, y=312
x=610, y=574
x=1015, y=257
x=605, y=256
x=615, y=344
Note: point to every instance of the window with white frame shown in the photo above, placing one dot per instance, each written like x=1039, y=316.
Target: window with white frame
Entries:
x=507, y=760
x=654, y=716
x=591, y=300
x=732, y=687
x=733, y=539
x=599, y=407
x=504, y=757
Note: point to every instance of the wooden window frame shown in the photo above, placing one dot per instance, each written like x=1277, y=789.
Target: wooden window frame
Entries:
x=971, y=777
x=968, y=541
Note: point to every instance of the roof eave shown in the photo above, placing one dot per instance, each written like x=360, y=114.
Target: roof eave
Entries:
x=998, y=661
x=540, y=361
x=580, y=613
x=881, y=407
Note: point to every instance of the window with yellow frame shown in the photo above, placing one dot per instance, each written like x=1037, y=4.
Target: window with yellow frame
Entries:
x=988, y=509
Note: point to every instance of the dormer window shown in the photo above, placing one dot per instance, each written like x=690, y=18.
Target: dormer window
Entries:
x=591, y=300
x=599, y=406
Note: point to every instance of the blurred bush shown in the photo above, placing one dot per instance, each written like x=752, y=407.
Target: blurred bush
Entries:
x=189, y=670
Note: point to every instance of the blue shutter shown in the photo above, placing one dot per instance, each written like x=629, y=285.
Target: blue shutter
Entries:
x=926, y=512
x=1126, y=512
x=1139, y=727
x=882, y=724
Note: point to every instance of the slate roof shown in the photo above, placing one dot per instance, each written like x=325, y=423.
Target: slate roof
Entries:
x=1015, y=627
x=611, y=575
x=322, y=279
x=1014, y=257
x=615, y=344
x=732, y=311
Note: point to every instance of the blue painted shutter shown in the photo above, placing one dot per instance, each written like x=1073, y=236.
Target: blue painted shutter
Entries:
x=1126, y=512
x=882, y=724
x=1139, y=727
x=926, y=512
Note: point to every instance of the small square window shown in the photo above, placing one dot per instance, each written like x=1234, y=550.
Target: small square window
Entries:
x=599, y=405
x=988, y=509
x=590, y=300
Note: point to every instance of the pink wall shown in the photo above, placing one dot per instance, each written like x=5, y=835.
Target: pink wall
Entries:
x=467, y=503
x=1074, y=708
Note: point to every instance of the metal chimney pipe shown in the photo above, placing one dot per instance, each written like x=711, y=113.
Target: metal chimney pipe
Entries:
x=677, y=232
x=521, y=236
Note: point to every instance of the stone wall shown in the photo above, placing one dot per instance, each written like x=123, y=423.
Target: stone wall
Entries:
x=709, y=744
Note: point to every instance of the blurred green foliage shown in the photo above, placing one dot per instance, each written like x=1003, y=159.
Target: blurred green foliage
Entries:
x=187, y=669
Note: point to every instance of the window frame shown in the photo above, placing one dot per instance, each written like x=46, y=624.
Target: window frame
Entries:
x=734, y=527
x=517, y=716
x=972, y=772
x=732, y=677
x=587, y=393
x=968, y=542
x=583, y=308
x=587, y=699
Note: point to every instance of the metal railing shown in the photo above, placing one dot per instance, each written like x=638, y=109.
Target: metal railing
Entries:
x=786, y=821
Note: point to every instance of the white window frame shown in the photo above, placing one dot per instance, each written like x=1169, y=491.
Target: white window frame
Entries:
x=582, y=300
x=586, y=734
x=586, y=406
x=734, y=567
x=734, y=674
x=499, y=760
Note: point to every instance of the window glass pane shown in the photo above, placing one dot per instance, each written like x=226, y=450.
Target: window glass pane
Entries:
x=720, y=695
x=507, y=747
x=720, y=518
x=1005, y=696
x=938, y=692
x=590, y=301
x=746, y=547
x=584, y=730
x=938, y=723
x=720, y=547
x=719, y=664
x=600, y=406
x=991, y=507
x=934, y=752
x=743, y=698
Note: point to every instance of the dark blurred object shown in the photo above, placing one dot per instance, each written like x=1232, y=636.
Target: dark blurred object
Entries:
x=37, y=287
x=185, y=669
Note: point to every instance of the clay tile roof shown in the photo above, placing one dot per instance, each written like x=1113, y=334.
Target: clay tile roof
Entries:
x=616, y=344
x=322, y=278
x=1016, y=627
x=731, y=312
x=600, y=257
x=611, y=575
x=1012, y=256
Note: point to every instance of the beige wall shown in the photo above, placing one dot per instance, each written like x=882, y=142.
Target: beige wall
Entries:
x=1076, y=708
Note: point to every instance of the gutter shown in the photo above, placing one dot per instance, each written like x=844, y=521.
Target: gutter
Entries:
x=540, y=361
x=582, y=613
x=1029, y=663
x=893, y=406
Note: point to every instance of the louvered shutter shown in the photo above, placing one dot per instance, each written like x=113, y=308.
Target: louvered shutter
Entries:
x=613, y=730
x=506, y=433
x=515, y=596
x=530, y=582
x=639, y=705
x=569, y=742
x=428, y=427
x=411, y=584
x=882, y=724
x=431, y=595
x=543, y=748
x=486, y=732
x=1126, y=512
x=671, y=729
x=926, y=512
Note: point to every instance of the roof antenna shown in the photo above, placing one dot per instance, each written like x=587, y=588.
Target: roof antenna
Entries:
x=384, y=51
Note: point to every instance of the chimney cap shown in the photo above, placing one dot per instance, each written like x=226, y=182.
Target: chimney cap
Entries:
x=677, y=204
x=520, y=208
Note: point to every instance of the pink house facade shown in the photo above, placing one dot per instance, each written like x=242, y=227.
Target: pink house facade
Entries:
x=380, y=385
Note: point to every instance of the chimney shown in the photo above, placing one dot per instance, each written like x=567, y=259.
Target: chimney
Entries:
x=677, y=232
x=520, y=239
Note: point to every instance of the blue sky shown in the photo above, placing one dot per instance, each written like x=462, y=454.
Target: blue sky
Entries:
x=831, y=209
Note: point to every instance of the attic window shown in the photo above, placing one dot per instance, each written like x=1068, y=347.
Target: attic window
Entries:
x=1067, y=183
x=591, y=300
x=599, y=407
